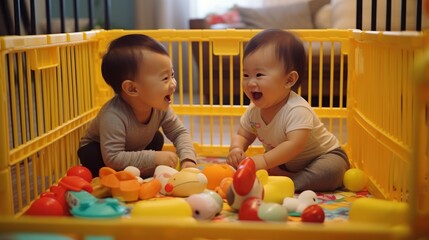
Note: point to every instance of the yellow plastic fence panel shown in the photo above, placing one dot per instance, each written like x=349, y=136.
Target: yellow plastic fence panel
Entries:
x=380, y=106
x=419, y=199
x=359, y=83
x=49, y=94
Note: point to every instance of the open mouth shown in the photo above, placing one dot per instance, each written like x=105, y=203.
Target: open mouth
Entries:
x=256, y=95
x=168, y=98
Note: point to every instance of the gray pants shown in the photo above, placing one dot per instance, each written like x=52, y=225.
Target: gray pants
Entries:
x=323, y=174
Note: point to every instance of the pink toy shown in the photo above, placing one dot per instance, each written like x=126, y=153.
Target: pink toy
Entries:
x=186, y=182
x=245, y=184
x=254, y=209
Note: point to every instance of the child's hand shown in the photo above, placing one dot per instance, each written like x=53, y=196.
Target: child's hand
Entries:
x=166, y=158
x=188, y=163
x=235, y=156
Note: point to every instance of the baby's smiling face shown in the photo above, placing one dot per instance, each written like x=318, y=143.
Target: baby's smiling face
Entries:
x=156, y=80
x=264, y=78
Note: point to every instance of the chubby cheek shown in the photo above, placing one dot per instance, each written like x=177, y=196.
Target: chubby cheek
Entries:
x=159, y=90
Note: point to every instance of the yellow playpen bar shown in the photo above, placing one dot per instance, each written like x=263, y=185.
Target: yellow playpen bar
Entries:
x=51, y=87
x=388, y=122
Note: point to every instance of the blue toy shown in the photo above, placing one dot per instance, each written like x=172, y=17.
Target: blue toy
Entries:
x=85, y=205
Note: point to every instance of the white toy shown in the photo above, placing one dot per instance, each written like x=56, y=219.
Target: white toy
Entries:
x=163, y=174
x=245, y=184
x=304, y=200
x=134, y=171
x=205, y=205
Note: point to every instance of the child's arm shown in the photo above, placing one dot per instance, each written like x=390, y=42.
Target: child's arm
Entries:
x=175, y=131
x=239, y=144
x=285, y=151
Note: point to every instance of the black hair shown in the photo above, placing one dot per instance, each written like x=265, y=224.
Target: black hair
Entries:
x=121, y=62
x=289, y=49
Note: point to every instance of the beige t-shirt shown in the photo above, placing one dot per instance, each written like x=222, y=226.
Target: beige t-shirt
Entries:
x=295, y=114
x=123, y=138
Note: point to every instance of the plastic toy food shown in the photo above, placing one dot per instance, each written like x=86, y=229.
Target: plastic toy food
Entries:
x=254, y=209
x=186, y=182
x=80, y=171
x=313, y=213
x=276, y=188
x=245, y=184
x=355, y=180
x=215, y=173
x=298, y=205
x=205, y=205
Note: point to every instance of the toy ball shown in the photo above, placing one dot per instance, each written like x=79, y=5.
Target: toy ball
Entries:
x=80, y=171
x=215, y=173
x=355, y=180
x=46, y=206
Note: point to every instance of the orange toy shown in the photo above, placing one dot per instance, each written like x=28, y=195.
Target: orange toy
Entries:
x=125, y=186
x=215, y=173
x=223, y=187
x=149, y=189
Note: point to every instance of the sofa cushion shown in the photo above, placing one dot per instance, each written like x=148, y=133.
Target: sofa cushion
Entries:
x=323, y=18
x=344, y=15
x=296, y=15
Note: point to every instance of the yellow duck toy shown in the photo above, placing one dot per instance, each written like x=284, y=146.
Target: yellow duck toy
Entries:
x=276, y=188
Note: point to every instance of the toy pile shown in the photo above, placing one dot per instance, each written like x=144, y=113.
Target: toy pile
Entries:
x=212, y=192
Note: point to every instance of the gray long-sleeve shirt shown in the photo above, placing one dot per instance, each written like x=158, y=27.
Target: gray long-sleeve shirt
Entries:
x=123, y=138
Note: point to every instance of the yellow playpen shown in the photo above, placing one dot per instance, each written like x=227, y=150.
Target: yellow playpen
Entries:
x=51, y=87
